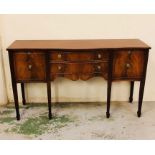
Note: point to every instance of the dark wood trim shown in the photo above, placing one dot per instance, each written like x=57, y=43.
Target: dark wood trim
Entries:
x=14, y=86
x=109, y=83
x=131, y=91
x=48, y=85
x=49, y=100
x=23, y=93
x=142, y=84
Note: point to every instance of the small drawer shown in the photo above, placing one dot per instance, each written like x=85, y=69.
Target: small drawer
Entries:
x=71, y=56
x=57, y=68
x=79, y=56
x=94, y=67
x=64, y=68
x=57, y=56
x=101, y=55
x=100, y=67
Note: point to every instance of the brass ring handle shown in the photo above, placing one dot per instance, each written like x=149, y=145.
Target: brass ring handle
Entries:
x=129, y=52
x=59, y=67
x=29, y=67
x=99, y=56
x=98, y=67
x=59, y=56
x=128, y=65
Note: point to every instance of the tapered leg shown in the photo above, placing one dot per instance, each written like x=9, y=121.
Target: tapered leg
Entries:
x=49, y=99
x=141, y=92
x=142, y=84
x=15, y=93
x=108, y=98
x=23, y=94
x=131, y=91
x=110, y=68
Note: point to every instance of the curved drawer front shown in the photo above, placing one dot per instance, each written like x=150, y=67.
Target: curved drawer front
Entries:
x=29, y=66
x=79, y=56
x=77, y=71
x=57, y=56
x=128, y=64
x=95, y=67
x=64, y=68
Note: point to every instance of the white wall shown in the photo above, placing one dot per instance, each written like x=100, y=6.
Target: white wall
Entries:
x=80, y=27
x=3, y=93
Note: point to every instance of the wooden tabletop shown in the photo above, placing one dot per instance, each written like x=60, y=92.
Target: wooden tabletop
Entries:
x=78, y=44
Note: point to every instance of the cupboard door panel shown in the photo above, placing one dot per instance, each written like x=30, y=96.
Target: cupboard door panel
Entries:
x=29, y=66
x=128, y=64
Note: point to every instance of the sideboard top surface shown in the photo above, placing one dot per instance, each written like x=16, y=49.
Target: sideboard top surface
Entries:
x=78, y=44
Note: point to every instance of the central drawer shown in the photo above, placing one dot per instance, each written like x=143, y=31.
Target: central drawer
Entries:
x=79, y=55
x=78, y=64
x=78, y=69
x=82, y=68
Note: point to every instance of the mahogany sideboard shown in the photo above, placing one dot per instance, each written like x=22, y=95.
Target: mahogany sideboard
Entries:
x=45, y=60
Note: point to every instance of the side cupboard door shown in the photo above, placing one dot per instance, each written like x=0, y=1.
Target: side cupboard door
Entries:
x=128, y=64
x=29, y=66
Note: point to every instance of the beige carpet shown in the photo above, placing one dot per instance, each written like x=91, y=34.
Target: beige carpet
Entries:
x=78, y=121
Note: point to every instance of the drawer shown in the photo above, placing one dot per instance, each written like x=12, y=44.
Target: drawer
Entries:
x=82, y=56
x=95, y=67
x=64, y=68
x=29, y=66
x=101, y=55
x=128, y=64
x=57, y=56
x=76, y=71
x=79, y=56
x=78, y=68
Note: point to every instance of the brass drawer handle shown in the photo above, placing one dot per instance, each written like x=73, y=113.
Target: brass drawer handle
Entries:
x=28, y=53
x=98, y=67
x=59, y=56
x=129, y=52
x=59, y=68
x=29, y=67
x=99, y=56
x=128, y=65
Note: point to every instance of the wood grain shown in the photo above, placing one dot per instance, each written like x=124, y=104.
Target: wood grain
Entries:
x=128, y=66
x=23, y=60
x=78, y=44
